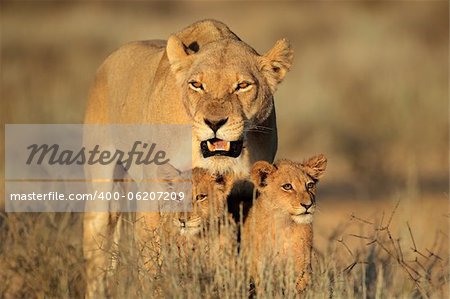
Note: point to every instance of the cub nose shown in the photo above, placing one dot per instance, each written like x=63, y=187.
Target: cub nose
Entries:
x=182, y=222
x=215, y=124
x=306, y=206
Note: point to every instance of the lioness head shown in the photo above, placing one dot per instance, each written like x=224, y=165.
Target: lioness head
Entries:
x=209, y=197
x=290, y=186
x=227, y=89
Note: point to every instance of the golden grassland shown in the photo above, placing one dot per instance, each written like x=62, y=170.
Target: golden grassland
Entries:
x=383, y=251
x=368, y=88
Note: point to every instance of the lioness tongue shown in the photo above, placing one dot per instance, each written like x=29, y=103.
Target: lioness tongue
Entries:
x=219, y=145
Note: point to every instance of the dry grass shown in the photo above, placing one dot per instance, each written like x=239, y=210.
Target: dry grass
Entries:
x=368, y=88
x=40, y=256
x=379, y=257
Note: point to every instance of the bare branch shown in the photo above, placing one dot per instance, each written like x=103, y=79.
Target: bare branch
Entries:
x=392, y=214
x=434, y=255
x=412, y=237
x=360, y=237
x=345, y=245
x=353, y=217
x=400, y=251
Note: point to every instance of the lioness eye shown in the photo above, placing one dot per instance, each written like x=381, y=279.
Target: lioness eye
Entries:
x=287, y=187
x=201, y=197
x=310, y=185
x=243, y=85
x=196, y=85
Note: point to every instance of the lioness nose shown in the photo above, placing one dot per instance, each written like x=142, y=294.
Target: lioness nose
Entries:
x=306, y=206
x=215, y=124
x=182, y=222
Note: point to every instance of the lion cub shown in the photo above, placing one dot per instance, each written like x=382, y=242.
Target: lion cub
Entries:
x=209, y=199
x=279, y=225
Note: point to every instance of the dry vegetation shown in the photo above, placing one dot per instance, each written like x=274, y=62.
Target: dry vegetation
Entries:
x=368, y=89
x=382, y=258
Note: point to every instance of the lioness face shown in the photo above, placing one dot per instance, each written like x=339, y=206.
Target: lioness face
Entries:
x=291, y=186
x=209, y=198
x=227, y=90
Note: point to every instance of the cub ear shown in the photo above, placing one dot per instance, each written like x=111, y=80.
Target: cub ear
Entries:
x=179, y=59
x=167, y=173
x=276, y=63
x=260, y=171
x=225, y=179
x=315, y=166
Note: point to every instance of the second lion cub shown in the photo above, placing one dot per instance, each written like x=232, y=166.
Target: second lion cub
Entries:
x=279, y=225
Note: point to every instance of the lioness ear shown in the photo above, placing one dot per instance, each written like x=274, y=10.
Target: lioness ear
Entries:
x=276, y=63
x=315, y=166
x=179, y=59
x=167, y=173
x=260, y=171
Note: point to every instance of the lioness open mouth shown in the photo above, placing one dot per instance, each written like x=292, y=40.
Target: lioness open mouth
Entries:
x=219, y=147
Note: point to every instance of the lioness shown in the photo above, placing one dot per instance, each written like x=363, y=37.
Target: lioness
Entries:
x=278, y=229
x=203, y=75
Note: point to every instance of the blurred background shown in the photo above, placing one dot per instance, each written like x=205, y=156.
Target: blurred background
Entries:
x=368, y=88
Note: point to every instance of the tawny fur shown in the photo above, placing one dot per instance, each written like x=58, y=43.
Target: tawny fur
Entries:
x=147, y=82
x=209, y=201
x=211, y=226
x=186, y=228
x=277, y=228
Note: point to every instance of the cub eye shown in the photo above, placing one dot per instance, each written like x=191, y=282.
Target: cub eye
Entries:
x=310, y=185
x=243, y=86
x=287, y=187
x=197, y=86
x=201, y=197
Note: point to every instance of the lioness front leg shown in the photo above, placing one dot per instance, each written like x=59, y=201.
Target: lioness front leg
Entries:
x=96, y=248
x=99, y=232
x=303, y=281
x=303, y=270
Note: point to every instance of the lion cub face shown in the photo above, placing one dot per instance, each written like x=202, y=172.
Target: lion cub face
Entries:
x=227, y=89
x=208, y=194
x=289, y=186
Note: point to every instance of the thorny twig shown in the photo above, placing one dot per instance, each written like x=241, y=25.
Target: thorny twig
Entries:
x=345, y=245
x=414, y=242
x=395, y=251
x=381, y=228
x=361, y=237
x=353, y=217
